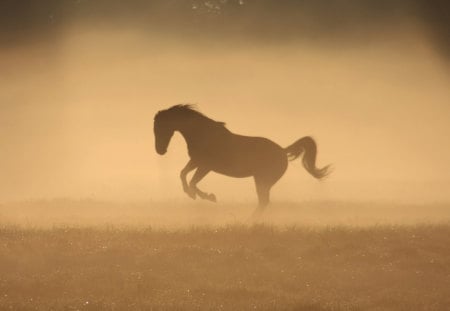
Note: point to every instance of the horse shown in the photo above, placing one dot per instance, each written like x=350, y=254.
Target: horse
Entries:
x=214, y=148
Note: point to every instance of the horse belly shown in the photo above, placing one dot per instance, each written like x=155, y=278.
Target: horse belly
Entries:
x=237, y=173
x=233, y=166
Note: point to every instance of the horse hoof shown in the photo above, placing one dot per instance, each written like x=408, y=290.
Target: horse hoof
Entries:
x=212, y=197
x=257, y=214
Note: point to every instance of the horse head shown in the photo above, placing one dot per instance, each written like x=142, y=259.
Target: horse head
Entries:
x=181, y=118
x=163, y=129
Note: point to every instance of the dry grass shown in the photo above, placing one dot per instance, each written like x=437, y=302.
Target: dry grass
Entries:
x=230, y=267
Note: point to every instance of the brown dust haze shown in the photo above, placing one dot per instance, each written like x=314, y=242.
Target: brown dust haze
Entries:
x=80, y=82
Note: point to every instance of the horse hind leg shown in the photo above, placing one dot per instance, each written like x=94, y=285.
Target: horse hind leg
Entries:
x=264, y=184
x=263, y=191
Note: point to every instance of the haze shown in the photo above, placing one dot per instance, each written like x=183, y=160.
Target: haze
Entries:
x=78, y=104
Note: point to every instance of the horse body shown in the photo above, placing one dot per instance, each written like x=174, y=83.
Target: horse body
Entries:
x=241, y=156
x=212, y=147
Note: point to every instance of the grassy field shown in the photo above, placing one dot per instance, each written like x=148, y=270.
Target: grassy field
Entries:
x=231, y=266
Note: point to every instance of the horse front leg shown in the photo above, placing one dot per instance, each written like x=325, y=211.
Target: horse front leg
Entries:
x=183, y=174
x=198, y=175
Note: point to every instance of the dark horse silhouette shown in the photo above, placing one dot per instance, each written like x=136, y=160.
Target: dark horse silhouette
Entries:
x=212, y=147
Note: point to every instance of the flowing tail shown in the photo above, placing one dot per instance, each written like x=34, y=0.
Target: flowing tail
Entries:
x=307, y=146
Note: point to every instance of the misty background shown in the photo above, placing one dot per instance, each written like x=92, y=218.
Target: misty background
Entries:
x=80, y=82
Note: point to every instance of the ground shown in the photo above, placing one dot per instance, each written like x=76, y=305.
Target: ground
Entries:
x=232, y=266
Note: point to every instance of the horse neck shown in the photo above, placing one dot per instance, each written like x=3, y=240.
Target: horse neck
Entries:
x=191, y=130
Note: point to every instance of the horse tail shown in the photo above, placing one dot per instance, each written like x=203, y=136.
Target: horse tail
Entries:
x=307, y=146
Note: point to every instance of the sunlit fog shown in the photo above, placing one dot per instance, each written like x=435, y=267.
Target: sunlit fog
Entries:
x=81, y=83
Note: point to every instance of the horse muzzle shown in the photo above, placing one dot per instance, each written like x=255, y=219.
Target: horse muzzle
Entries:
x=161, y=151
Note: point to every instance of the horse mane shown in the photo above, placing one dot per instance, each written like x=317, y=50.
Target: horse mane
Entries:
x=191, y=110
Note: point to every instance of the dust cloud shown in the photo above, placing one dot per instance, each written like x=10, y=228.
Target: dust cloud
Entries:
x=78, y=97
